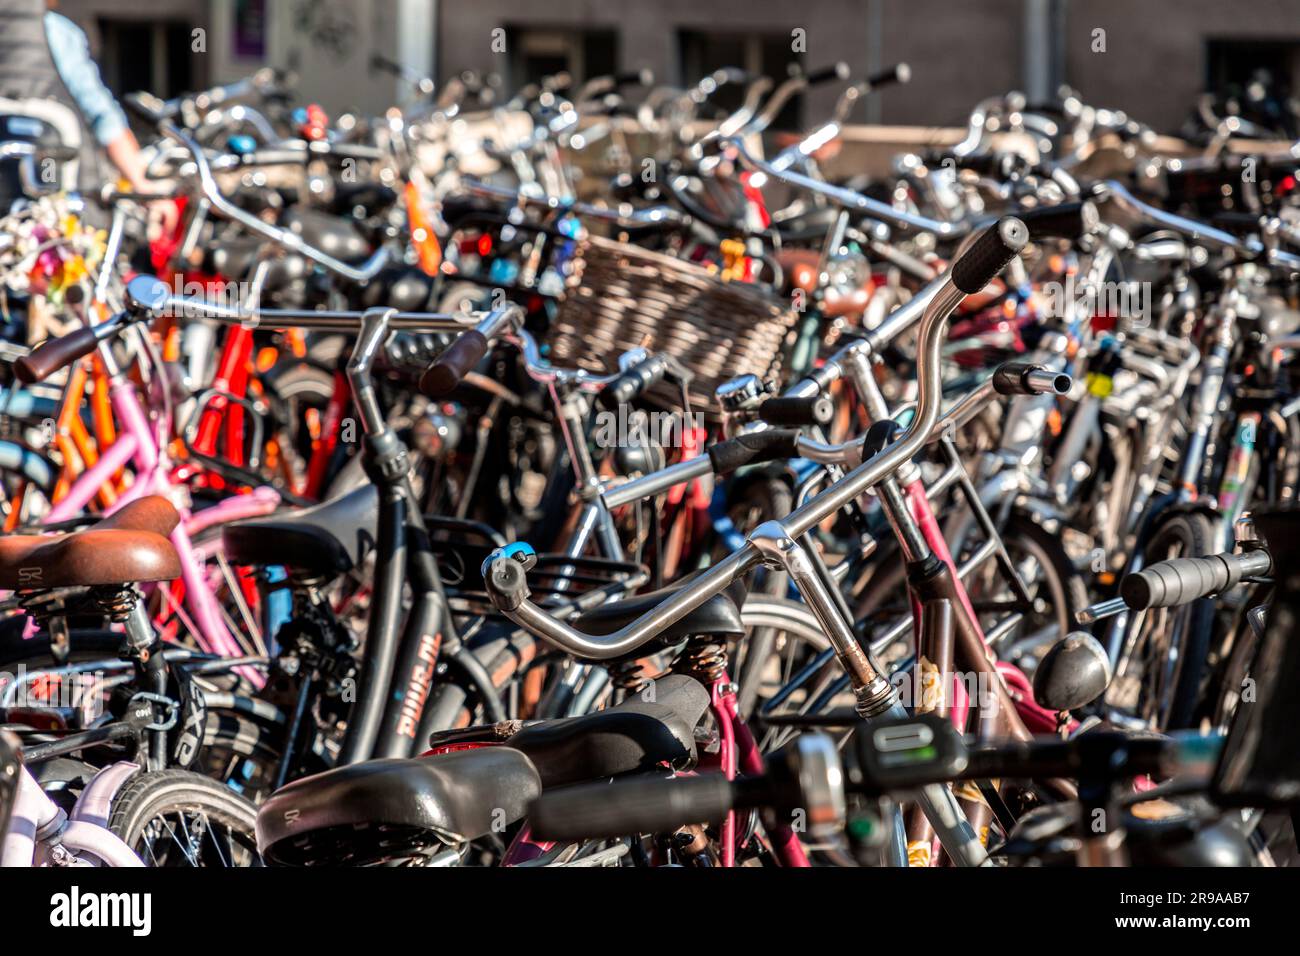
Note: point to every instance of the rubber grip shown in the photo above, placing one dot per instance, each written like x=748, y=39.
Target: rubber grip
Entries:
x=647, y=805
x=1183, y=580
x=506, y=583
x=826, y=74
x=770, y=445
x=441, y=378
x=1067, y=220
x=989, y=254
x=898, y=73
x=633, y=383
x=642, y=77
x=53, y=354
x=784, y=410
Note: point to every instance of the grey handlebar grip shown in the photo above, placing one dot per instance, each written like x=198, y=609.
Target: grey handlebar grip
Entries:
x=1183, y=580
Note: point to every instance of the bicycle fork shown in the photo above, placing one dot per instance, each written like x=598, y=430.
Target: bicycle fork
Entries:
x=876, y=697
x=398, y=669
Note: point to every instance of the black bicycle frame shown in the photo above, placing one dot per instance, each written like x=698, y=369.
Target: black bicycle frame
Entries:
x=399, y=662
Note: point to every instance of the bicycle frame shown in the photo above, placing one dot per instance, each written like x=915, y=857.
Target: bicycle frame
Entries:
x=780, y=543
x=40, y=835
x=738, y=752
x=399, y=662
x=142, y=445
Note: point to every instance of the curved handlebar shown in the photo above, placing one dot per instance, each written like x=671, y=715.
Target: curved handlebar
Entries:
x=289, y=240
x=445, y=373
x=505, y=570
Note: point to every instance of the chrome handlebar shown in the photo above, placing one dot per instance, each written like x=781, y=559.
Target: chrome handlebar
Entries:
x=505, y=569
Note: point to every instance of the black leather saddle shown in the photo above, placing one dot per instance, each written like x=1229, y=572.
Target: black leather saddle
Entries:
x=719, y=615
x=643, y=732
x=361, y=200
x=329, y=538
x=404, y=288
x=382, y=810
x=237, y=258
x=332, y=235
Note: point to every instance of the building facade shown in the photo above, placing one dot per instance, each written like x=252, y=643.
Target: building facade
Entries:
x=1148, y=57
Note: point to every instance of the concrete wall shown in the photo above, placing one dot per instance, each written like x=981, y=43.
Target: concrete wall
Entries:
x=960, y=50
x=329, y=42
x=1154, y=64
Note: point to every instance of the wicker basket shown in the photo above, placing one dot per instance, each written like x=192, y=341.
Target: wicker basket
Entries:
x=620, y=297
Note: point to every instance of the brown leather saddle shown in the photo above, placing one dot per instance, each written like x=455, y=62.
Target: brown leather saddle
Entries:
x=127, y=547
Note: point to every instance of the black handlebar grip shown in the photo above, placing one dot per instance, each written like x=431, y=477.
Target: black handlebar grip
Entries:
x=772, y=444
x=441, y=378
x=898, y=73
x=53, y=354
x=642, y=77
x=1067, y=220
x=633, y=383
x=989, y=254
x=380, y=62
x=999, y=165
x=783, y=410
x=1024, y=378
x=1183, y=580
x=648, y=805
x=827, y=74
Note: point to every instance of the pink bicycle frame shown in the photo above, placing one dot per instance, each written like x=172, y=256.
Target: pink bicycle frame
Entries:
x=1034, y=716
x=37, y=825
x=139, y=443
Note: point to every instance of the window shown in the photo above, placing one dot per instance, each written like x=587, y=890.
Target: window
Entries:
x=756, y=53
x=536, y=53
x=1259, y=76
x=147, y=55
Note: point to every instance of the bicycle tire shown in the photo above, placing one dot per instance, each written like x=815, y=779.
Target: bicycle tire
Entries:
x=154, y=794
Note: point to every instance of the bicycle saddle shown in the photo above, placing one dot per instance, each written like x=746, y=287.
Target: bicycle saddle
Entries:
x=719, y=615
x=404, y=288
x=332, y=235
x=329, y=538
x=237, y=258
x=361, y=200
x=129, y=546
x=635, y=735
x=381, y=810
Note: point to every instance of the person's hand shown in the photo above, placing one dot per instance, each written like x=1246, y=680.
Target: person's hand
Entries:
x=163, y=212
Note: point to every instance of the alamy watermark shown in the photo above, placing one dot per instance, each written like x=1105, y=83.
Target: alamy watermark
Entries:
x=44, y=690
x=627, y=427
x=1074, y=299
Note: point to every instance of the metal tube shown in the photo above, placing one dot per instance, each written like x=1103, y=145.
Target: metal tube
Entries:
x=289, y=240
x=633, y=635
x=852, y=200
x=930, y=393
x=656, y=483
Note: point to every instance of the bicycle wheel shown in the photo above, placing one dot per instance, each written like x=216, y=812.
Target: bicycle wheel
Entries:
x=1162, y=669
x=1054, y=586
x=178, y=818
